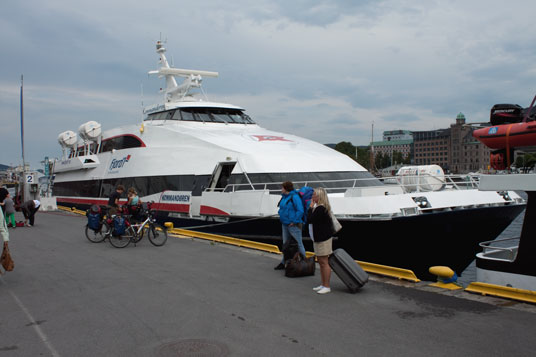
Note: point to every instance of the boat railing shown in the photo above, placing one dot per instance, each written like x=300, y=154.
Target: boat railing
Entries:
x=417, y=183
x=502, y=249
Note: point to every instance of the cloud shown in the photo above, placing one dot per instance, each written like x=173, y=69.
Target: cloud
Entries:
x=324, y=70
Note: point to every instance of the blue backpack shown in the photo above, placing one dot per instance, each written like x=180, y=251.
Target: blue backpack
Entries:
x=305, y=193
x=119, y=226
x=94, y=218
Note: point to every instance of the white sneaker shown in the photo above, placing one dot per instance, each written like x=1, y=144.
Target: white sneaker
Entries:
x=323, y=290
x=318, y=287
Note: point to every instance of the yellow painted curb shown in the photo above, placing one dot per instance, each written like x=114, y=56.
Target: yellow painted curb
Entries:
x=71, y=209
x=228, y=240
x=449, y=286
x=502, y=291
x=392, y=272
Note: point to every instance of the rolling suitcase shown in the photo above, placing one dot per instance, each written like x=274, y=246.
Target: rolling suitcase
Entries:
x=347, y=270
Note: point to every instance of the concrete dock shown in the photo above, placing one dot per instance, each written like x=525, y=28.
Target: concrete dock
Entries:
x=70, y=297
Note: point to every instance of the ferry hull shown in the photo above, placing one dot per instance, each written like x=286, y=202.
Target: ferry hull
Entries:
x=414, y=242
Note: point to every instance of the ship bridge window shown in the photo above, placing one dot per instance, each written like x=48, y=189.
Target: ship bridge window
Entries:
x=206, y=115
x=121, y=142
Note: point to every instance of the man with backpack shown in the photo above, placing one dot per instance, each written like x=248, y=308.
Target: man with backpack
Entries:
x=291, y=214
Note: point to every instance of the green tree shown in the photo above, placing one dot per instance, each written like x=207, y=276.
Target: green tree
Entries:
x=526, y=162
x=361, y=155
x=347, y=148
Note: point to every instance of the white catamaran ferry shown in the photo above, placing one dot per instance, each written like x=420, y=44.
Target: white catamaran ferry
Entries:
x=209, y=166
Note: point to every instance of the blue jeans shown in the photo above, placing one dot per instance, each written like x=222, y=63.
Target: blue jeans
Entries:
x=296, y=233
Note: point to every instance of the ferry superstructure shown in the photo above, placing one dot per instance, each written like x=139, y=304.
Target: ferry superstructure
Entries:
x=210, y=166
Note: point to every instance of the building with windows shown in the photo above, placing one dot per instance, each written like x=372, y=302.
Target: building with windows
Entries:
x=393, y=135
x=467, y=153
x=394, y=141
x=454, y=148
x=432, y=147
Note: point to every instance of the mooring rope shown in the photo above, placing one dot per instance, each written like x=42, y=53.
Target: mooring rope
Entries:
x=225, y=223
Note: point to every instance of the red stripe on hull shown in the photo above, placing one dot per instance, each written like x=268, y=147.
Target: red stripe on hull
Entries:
x=84, y=201
x=171, y=207
x=211, y=211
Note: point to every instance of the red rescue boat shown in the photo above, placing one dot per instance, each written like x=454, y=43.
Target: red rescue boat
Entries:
x=512, y=128
x=508, y=135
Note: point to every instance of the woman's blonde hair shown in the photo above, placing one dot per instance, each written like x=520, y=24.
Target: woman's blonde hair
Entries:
x=323, y=198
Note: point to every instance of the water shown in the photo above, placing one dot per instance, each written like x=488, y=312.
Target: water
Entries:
x=513, y=230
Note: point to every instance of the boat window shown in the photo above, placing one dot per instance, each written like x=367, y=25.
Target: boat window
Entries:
x=188, y=116
x=204, y=117
x=157, y=116
x=169, y=115
x=121, y=142
x=222, y=118
x=218, y=118
x=177, y=115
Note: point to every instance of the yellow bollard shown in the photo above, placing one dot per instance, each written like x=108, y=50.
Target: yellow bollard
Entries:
x=446, y=277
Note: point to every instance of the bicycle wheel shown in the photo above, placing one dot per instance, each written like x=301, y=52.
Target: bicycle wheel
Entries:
x=138, y=236
x=157, y=234
x=121, y=241
x=96, y=236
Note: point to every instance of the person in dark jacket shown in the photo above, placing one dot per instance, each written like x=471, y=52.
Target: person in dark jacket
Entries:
x=29, y=209
x=321, y=230
x=113, y=200
x=291, y=216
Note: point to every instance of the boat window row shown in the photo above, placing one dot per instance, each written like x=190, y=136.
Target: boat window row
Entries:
x=148, y=185
x=144, y=185
x=332, y=180
x=205, y=115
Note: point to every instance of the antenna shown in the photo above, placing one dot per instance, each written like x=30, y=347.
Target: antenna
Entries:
x=141, y=87
x=372, y=163
x=192, y=78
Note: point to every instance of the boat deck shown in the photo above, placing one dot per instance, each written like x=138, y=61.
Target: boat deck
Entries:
x=70, y=297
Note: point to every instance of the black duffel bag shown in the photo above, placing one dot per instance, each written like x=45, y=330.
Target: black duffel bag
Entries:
x=299, y=266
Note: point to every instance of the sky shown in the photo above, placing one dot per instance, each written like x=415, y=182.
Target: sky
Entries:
x=325, y=70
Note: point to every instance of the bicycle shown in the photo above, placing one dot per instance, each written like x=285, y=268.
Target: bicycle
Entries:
x=134, y=232
x=100, y=234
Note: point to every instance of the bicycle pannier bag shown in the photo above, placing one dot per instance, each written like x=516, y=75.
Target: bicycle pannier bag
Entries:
x=119, y=226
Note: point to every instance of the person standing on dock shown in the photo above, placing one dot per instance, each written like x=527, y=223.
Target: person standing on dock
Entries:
x=291, y=216
x=29, y=209
x=9, y=210
x=318, y=216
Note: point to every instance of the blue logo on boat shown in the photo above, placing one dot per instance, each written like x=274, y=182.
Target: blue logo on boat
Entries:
x=117, y=164
x=493, y=130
